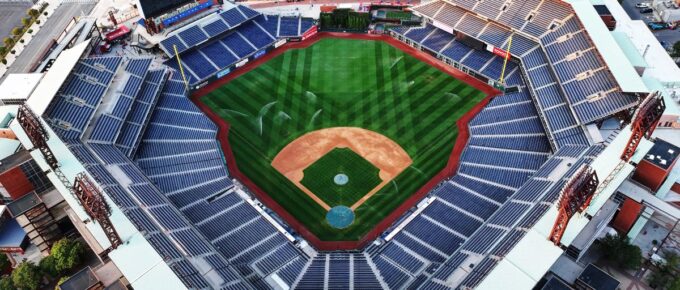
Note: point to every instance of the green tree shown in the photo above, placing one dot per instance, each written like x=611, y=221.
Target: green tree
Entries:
x=33, y=13
x=26, y=276
x=617, y=249
x=17, y=31
x=4, y=262
x=7, y=284
x=26, y=21
x=665, y=276
x=676, y=50
x=48, y=266
x=8, y=41
x=67, y=254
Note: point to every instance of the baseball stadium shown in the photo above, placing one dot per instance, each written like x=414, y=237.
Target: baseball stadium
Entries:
x=446, y=144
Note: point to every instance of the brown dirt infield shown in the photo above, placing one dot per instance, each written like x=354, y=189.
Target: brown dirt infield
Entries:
x=379, y=150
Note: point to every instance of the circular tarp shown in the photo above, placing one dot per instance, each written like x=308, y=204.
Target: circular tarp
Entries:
x=340, y=217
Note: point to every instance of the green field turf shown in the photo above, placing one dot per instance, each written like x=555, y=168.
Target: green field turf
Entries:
x=363, y=177
x=342, y=82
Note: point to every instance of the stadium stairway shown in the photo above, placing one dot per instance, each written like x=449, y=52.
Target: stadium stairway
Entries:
x=140, y=113
x=108, y=125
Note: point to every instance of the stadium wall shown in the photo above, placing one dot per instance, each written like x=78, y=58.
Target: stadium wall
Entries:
x=448, y=171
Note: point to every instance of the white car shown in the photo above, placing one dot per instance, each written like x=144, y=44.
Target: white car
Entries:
x=642, y=5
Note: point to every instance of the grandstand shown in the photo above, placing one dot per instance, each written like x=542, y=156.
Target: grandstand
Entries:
x=131, y=125
x=216, y=44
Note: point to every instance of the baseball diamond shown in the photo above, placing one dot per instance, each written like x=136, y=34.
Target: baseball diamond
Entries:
x=346, y=84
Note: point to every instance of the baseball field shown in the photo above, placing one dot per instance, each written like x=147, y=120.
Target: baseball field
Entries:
x=357, y=124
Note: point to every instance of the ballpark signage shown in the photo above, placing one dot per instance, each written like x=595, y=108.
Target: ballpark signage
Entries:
x=223, y=73
x=259, y=54
x=502, y=53
x=242, y=63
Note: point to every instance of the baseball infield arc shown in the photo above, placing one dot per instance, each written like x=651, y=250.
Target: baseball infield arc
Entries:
x=382, y=152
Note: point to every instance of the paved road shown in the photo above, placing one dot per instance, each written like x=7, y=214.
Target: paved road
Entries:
x=666, y=37
x=11, y=14
x=52, y=29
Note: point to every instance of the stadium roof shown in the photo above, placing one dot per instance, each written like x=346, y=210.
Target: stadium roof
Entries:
x=629, y=49
x=626, y=76
x=48, y=87
x=19, y=86
x=661, y=66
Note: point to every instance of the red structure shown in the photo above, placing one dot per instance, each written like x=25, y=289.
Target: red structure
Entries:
x=575, y=197
x=645, y=121
x=15, y=182
x=89, y=197
x=96, y=207
x=628, y=214
x=36, y=133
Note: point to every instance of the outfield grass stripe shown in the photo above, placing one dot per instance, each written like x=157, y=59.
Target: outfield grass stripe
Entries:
x=356, y=83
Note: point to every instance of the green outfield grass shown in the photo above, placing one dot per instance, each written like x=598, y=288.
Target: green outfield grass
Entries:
x=362, y=177
x=343, y=82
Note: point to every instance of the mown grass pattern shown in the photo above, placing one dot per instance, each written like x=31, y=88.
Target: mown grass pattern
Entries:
x=343, y=82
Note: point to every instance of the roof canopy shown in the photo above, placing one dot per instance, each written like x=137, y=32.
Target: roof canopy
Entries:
x=619, y=65
x=48, y=87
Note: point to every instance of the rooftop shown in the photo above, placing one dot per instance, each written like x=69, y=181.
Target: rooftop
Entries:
x=598, y=279
x=84, y=279
x=11, y=234
x=662, y=154
x=19, y=86
x=20, y=206
x=14, y=160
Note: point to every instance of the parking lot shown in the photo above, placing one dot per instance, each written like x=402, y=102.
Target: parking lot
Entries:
x=666, y=37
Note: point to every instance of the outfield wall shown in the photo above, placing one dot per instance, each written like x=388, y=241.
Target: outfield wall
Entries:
x=382, y=226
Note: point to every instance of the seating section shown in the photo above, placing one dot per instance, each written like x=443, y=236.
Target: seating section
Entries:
x=208, y=28
x=149, y=202
x=80, y=96
x=140, y=112
x=339, y=271
x=565, y=60
x=237, y=35
x=108, y=127
x=180, y=155
x=522, y=210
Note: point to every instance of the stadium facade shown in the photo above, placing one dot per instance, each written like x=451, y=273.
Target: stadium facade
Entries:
x=139, y=166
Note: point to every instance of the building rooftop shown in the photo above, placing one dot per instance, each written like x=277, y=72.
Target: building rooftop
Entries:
x=598, y=279
x=84, y=279
x=12, y=234
x=19, y=86
x=662, y=154
x=20, y=206
x=555, y=283
x=14, y=160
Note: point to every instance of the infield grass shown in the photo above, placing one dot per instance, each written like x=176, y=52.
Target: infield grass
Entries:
x=343, y=82
x=362, y=177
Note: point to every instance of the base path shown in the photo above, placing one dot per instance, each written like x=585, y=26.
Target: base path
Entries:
x=382, y=152
x=448, y=171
